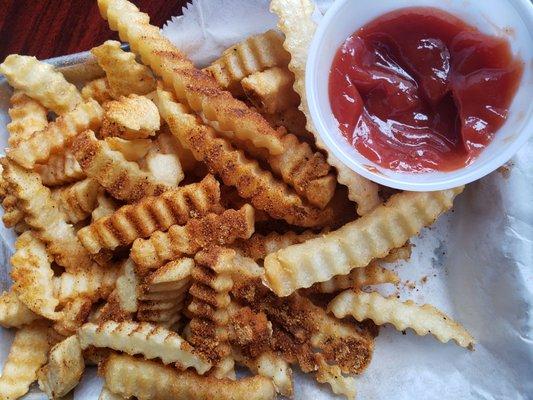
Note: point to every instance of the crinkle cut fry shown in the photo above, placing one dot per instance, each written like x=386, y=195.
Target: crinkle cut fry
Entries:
x=41, y=82
x=42, y=214
x=13, y=312
x=60, y=169
x=150, y=214
x=264, y=191
x=97, y=89
x=212, y=229
x=150, y=340
x=56, y=135
x=78, y=200
x=357, y=243
x=197, y=88
x=170, y=277
x=259, y=246
x=254, y=54
x=296, y=22
x=27, y=116
x=123, y=179
x=27, y=354
x=422, y=319
x=128, y=376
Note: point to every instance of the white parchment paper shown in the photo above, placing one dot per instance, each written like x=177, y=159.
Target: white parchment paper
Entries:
x=475, y=263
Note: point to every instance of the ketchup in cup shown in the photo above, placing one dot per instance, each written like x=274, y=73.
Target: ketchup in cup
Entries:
x=419, y=90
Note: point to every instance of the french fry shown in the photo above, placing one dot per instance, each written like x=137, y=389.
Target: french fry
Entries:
x=143, y=338
x=332, y=375
x=357, y=243
x=128, y=376
x=270, y=91
x=252, y=55
x=127, y=287
x=32, y=276
x=42, y=214
x=106, y=206
x=402, y=315
x=12, y=212
x=197, y=88
x=296, y=23
x=41, y=82
x=107, y=394
x=78, y=200
x=55, y=137
x=399, y=253
x=27, y=116
x=73, y=315
x=64, y=368
x=131, y=117
x=166, y=143
x=132, y=150
x=188, y=239
x=124, y=74
x=27, y=354
x=139, y=220
x=164, y=313
x=97, y=89
x=265, y=192
x=294, y=122
x=95, y=283
x=172, y=276
x=164, y=167
x=13, y=312
x=60, y=169
x=258, y=246
x=123, y=179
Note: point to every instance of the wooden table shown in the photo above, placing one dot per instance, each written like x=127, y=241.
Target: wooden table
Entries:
x=49, y=28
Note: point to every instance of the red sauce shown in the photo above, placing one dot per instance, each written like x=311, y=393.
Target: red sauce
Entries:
x=420, y=90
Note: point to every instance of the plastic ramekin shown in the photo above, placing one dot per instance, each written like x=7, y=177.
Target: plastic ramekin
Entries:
x=512, y=19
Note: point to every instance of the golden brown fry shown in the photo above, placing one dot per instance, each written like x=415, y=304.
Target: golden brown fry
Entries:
x=166, y=143
x=212, y=229
x=422, y=319
x=399, y=253
x=13, y=312
x=60, y=169
x=106, y=206
x=270, y=91
x=127, y=287
x=42, y=214
x=296, y=22
x=254, y=54
x=164, y=167
x=64, y=368
x=332, y=375
x=259, y=246
x=27, y=354
x=140, y=220
x=197, y=88
x=42, y=82
x=107, y=394
x=171, y=277
x=357, y=243
x=132, y=150
x=55, y=137
x=97, y=89
x=78, y=200
x=143, y=338
x=27, y=116
x=32, y=276
x=12, y=212
x=265, y=192
x=123, y=179
x=74, y=314
x=128, y=376
x=124, y=74
x=293, y=121
x=131, y=117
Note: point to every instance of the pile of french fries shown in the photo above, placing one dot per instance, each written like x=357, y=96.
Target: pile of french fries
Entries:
x=176, y=222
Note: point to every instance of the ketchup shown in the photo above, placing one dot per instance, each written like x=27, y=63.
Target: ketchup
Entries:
x=420, y=90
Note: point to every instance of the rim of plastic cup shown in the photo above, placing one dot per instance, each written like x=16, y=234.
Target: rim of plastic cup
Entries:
x=525, y=11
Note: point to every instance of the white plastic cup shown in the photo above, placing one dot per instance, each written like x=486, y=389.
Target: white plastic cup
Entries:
x=511, y=19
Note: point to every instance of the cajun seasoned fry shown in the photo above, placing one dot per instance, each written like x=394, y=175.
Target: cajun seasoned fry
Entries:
x=128, y=376
x=106, y=206
x=73, y=315
x=139, y=220
x=265, y=192
x=252, y=55
x=332, y=375
x=357, y=243
x=27, y=116
x=27, y=354
x=123, y=179
x=132, y=150
x=259, y=246
x=60, y=169
x=271, y=90
x=422, y=319
x=142, y=338
x=197, y=88
x=42, y=214
x=296, y=22
x=127, y=287
x=13, y=312
x=164, y=167
x=172, y=276
x=97, y=89
x=196, y=234
x=53, y=139
x=78, y=200
x=32, y=276
x=293, y=121
x=166, y=143
x=64, y=368
x=124, y=74
x=41, y=82
x=12, y=212
x=131, y=117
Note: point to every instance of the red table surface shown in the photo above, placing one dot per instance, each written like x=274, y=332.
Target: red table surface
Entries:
x=50, y=28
